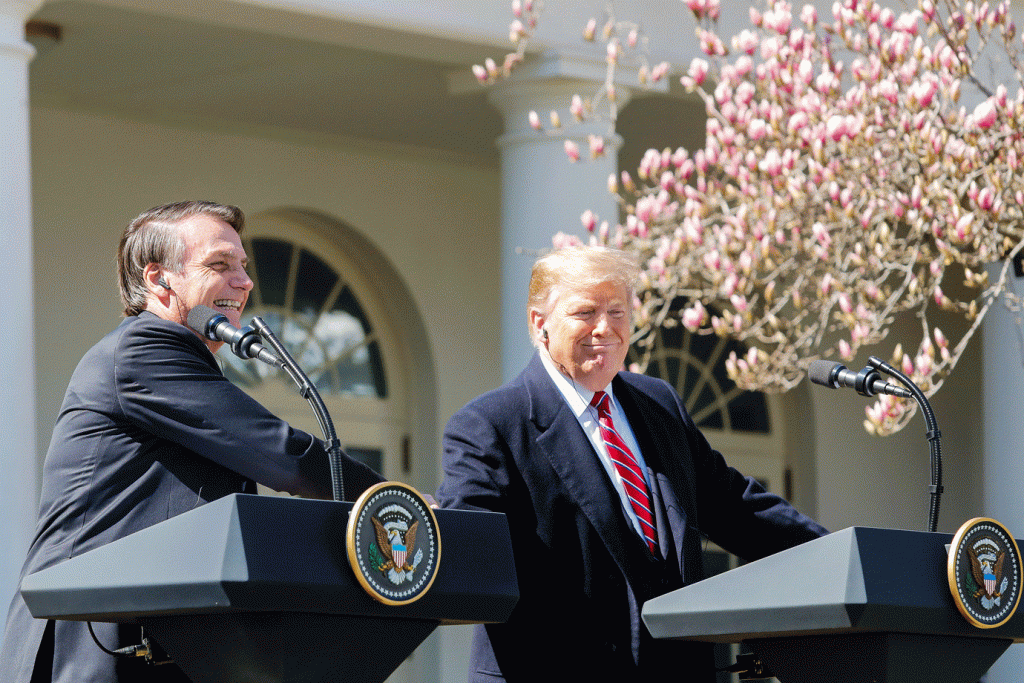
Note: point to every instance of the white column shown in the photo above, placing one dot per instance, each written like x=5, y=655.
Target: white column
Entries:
x=1002, y=459
x=542, y=191
x=18, y=467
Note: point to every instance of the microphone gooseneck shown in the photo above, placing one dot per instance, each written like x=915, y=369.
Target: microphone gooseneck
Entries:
x=932, y=434
x=869, y=382
x=309, y=392
x=245, y=343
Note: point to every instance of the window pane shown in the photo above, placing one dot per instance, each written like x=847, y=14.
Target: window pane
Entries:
x=271, y=260
x=371, y=457
x=313, y=284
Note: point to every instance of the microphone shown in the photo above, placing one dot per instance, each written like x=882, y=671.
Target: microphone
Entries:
x=867, y=382
x=244, y=342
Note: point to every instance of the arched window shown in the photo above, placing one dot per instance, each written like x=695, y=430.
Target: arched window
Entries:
x=694, y=364
x=347, y=318
x=316, y=315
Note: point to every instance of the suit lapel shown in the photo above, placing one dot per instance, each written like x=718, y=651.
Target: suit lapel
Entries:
x=659, y=433
x=663, y=445
x=562, y=440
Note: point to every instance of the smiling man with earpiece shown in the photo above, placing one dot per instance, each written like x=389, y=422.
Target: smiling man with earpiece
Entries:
x=150, y=428
x=609, y=488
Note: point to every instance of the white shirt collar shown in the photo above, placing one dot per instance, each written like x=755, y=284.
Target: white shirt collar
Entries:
x=576, y=396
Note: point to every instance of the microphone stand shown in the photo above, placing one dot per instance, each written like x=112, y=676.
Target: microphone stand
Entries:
x=933, y=435
x=308, y=391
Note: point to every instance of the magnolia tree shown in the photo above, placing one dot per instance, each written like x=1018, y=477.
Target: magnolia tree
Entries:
x=843, y=183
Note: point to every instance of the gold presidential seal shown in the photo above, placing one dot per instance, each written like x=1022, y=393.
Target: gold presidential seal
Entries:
x=984, y=572
x=393, y=543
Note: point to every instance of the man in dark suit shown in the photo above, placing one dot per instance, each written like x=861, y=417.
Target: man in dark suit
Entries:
x=609, y=488
x=149, y=429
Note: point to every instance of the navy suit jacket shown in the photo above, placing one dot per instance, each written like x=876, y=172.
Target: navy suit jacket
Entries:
x=149, y=428
x=583, y=572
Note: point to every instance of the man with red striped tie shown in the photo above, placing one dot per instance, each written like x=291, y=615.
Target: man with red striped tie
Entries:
x=608, y=486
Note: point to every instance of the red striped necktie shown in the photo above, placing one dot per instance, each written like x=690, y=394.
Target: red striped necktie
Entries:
x=628, y=468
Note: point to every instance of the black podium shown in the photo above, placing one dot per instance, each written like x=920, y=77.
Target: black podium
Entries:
x=258, y=588
x=860, y=606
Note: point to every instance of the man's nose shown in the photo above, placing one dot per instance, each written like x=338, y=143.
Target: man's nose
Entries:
x=242, y=281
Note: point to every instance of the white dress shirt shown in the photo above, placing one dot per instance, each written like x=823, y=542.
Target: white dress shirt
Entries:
x=578, y=398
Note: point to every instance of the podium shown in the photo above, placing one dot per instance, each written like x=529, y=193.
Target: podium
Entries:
x=259, y=588
x=861, y=605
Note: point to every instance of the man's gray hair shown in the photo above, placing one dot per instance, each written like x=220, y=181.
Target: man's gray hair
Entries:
x=154, y=237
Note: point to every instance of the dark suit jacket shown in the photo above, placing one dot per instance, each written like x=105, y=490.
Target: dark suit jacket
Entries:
x=583, y=573
x=149, y=428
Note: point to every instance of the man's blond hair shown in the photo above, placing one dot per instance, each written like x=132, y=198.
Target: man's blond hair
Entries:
x=576, y=268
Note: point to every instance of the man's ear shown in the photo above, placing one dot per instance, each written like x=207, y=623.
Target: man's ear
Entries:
x=156, y=282
x=537, y=320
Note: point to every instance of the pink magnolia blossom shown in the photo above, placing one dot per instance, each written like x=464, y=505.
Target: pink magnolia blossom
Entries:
x=694, y=316
x=659, y=71
x=778, y=18
x=745, y=41
x=516, y=30
x=809, y=15
x=576, y=107
x=757, y=129
x=614, y=51
x=985, y=114
x=572, y=150
x=590, y=30
x=711, y=44
x=699, y=70
x=589, y=220
x=562, y=240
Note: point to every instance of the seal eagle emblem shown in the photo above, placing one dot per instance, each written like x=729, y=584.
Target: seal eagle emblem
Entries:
x=984, y=572
x=392, y=543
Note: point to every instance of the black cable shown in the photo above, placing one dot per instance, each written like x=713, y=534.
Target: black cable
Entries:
x=140, y=650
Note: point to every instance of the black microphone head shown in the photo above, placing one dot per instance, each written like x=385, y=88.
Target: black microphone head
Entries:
x=820, y=372
x=202, y=319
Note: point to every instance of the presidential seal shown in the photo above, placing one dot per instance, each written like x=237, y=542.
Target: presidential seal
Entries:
x=393, y=544
x=984, y=572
